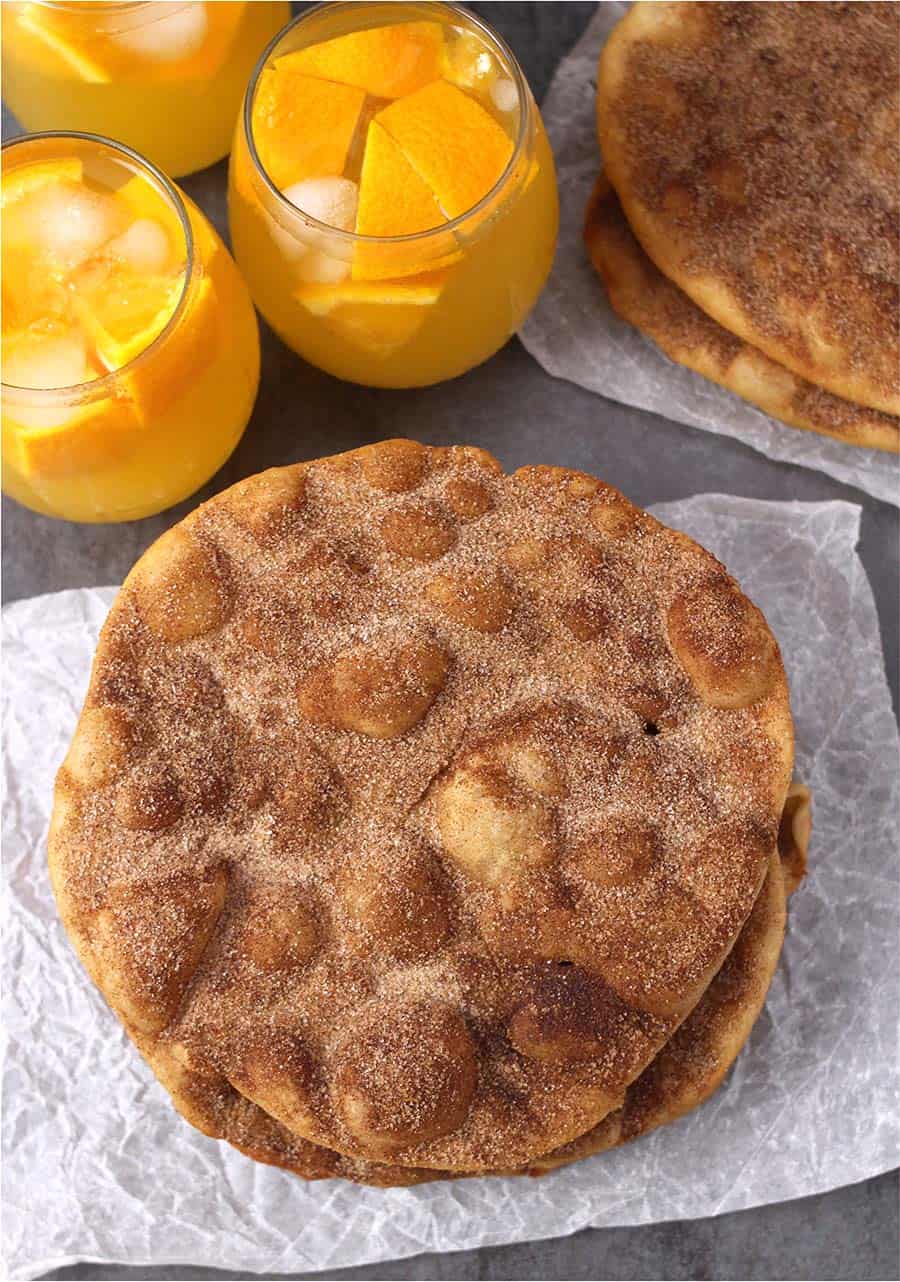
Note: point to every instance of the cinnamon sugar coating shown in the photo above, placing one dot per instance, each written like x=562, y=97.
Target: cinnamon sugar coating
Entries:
x=755, y=148
x=647, y=299
x=686, y=1072
x=454, y=887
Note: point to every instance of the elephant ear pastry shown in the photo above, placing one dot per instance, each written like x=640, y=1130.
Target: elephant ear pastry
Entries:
x=414, y=806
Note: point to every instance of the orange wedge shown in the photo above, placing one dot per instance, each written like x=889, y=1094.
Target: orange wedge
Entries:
x=55, y=48
x=453, y=144
x=376, y=316
x=303, y=127
x=123, y=311
x=30, y=292
x=94, y=436
x=181, y=357
x=394, y=201
x=193, y=342
x=123, y=314
x=387, y=62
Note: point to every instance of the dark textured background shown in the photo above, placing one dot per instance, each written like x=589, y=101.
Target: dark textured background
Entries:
x=514, y=409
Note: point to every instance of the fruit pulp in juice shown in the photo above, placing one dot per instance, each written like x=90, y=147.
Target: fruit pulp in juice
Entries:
x=130, y=361
x=164, y=78
x=417, y=129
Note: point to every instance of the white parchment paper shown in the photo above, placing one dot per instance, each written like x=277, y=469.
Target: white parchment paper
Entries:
x=98, y=1166
x=574, y=333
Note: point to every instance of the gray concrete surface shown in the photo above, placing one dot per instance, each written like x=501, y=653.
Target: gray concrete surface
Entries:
x=510, y=406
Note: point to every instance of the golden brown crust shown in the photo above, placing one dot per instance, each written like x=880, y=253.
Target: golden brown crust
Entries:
x=379, y=690
x=336, y=780
x=771, y=203
x=647, y=299
x=693, y=1063
x=685, y=1073
x=794, y=833
x=722, y=641
x=181, y=591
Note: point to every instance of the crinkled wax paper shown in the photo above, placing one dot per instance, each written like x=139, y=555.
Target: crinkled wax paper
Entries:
x=574, y=333
x=98, y=1166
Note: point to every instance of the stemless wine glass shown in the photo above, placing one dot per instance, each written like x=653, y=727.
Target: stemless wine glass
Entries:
x=130, y=343
x=363, y=116
x=164, y=78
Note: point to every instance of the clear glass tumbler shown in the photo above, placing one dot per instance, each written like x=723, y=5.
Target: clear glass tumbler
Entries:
x=130, y=343
x=362, y=118
x=164, y=78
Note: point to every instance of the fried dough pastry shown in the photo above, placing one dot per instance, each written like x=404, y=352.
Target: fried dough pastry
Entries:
x=756, y=151
x=688, y=1069
x=647, y=299
x=425, y=855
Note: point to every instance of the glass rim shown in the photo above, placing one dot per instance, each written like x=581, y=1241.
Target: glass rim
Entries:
x=86, y=391
x=103, y=6
x=415, y=237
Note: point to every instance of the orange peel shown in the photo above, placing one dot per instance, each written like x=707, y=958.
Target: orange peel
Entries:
x=387, y=62
x=97, y=435
x=57, y=52
x=378, y=316
x=185, y=351
x=394, y=201
x=455, y=146
x=303, y=127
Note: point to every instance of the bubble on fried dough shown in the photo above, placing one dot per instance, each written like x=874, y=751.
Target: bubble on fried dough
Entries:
x=404, y=1074
x=280, y=931
x=722, y=642
x=101, y=747
x=421, y=532
x=403, y=914
x=149, y=938
x=181, y=591
x=379, y=690
x=483, y=600
x=395, y=466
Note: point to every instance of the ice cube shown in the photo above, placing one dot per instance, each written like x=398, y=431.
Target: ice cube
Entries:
x=329, y=200
x=504, y=94
x=292, y=248
x=172, y=32
x=471, y=66
x=63, y=222
x=43, y=361
x=144, y=246
x=322, y=268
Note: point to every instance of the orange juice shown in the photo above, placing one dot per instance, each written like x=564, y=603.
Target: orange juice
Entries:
x=130, y=352
x=392, y=195
x=164, y=78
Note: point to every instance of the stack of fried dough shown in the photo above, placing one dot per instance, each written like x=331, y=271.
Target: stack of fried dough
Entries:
x=748, y=219
x=426, y=821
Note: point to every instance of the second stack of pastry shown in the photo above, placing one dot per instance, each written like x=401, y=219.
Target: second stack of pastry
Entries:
x=747, y=217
